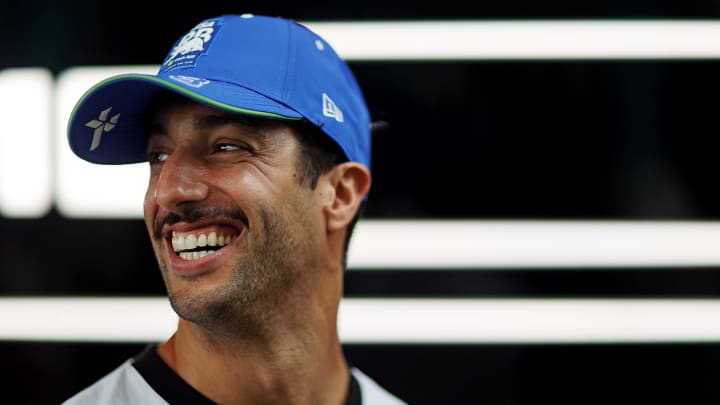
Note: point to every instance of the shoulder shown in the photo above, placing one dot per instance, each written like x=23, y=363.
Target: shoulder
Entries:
x=372, y=393
x=124, y=385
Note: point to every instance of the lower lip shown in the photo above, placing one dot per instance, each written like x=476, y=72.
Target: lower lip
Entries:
x=197, y=266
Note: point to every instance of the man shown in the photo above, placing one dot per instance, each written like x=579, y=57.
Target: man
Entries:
x=258, y=141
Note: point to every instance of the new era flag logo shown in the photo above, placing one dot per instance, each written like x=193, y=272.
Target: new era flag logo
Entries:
x=330, y=109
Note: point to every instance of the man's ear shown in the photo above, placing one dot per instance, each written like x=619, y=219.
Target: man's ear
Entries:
x=350, y=182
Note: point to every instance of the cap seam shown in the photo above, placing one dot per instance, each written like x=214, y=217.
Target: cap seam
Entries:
x=290, y=58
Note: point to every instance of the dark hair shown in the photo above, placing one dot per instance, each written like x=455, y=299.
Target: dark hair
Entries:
x=318, y=154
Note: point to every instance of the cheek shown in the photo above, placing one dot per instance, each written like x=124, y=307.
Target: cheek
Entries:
x=242, y=185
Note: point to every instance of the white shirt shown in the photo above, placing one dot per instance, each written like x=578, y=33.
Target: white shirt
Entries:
x=126, y=385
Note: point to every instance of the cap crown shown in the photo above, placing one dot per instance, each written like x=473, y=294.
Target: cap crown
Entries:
x=258, y=65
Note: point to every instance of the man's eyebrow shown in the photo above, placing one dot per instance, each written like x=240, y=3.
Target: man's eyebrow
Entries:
x=156, y=128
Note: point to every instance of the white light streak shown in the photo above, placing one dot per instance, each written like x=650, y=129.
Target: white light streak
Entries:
x=86, y=319
x=25, y=142
x=522, y=40
x=391, y=321
x=529, y=321
x=477, y=244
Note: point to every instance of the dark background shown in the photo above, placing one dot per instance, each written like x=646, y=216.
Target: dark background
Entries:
x=596, y=140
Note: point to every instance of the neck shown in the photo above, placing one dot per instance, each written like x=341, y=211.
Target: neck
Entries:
x=286, y=366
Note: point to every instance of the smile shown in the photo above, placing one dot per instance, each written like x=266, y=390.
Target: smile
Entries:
x=193, y=246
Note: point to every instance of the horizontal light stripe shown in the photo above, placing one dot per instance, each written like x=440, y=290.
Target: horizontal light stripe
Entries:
x=477, y=244
x=523, y=39
x=391, y=321
x=529, y=321
x=86, y=319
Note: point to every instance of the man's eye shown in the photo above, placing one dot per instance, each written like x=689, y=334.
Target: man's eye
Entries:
x=157, y=157
x=228, y=147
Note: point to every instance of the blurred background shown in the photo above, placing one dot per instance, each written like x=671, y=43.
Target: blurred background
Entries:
x=513, y=148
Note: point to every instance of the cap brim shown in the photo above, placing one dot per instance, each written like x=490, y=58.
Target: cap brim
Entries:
x=106, y=126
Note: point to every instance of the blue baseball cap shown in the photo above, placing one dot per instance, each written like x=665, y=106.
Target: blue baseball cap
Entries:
x=256, y=65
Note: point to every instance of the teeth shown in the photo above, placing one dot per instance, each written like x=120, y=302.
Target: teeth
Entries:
x=193, y=255
x=178, y=244
x=191, y=241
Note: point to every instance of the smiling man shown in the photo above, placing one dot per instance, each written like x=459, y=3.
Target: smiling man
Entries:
x=258, y=140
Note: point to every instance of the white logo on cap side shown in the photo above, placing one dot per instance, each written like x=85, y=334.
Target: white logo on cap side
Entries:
x=102, y=125
x=330, y=109
x=190, y=81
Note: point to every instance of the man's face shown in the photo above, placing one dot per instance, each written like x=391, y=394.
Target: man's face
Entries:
x=234, y=231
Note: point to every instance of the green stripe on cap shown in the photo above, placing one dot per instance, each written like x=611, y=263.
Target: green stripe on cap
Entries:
x=183, y=91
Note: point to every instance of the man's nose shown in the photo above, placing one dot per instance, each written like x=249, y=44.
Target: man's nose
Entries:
x=181, y=180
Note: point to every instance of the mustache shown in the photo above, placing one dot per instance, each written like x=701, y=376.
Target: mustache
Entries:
x=192, y=214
